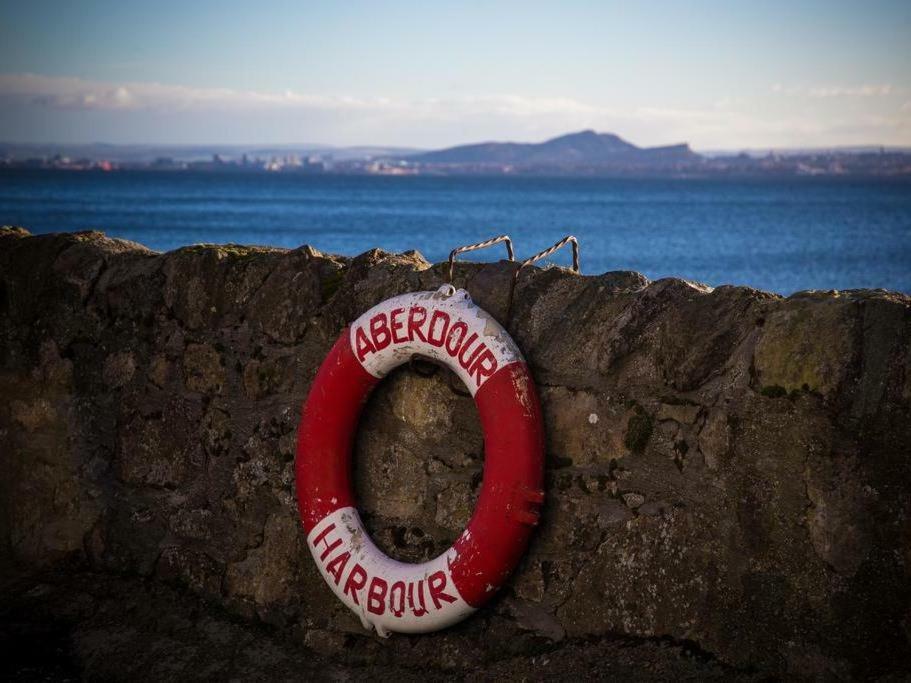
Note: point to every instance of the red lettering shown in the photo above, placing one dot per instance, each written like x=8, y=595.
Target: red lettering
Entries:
x=416, y=317
x=396, y=325
x=453, y=346
x=466, y=363
x=362, y=344
x=397, y=610
x=337, y=565
x=437, y=340
x=322, y=539
x=423, y=610
x=379, y=330
x=484, y=366
x=376, y=595
x=357, y=579
x=437, y=583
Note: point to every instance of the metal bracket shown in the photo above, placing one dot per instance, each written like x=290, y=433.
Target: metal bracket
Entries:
x=480, y=245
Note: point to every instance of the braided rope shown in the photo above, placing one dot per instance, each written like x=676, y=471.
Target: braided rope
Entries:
x=480, y=245
x=550, y=250
x=537, y=257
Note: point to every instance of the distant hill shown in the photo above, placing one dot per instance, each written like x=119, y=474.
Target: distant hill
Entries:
x=584, y=149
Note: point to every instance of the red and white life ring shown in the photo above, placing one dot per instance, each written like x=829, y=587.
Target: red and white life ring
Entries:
x=393, y=596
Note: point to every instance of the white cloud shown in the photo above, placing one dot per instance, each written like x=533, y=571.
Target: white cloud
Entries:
x=136, y=111
x=76, y=93
x=851, y=91
x=821, y=91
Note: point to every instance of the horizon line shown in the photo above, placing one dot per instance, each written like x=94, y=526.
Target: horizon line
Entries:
x=331, y=146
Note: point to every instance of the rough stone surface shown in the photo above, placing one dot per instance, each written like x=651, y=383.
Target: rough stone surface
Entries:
x=728, y=471
x=89, y=626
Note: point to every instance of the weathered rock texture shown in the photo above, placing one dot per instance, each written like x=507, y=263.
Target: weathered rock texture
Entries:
x=727, y=470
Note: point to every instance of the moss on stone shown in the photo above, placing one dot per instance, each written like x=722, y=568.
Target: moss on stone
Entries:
x=638, y=431
x=268, y=375
x=808, y=345
x=774, y=391
x=329, y=285
x=672, y=400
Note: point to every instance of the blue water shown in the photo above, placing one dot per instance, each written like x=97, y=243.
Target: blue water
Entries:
x=781, y=235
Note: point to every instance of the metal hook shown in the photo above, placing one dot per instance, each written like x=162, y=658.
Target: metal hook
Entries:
x=480, y=245
x=537, y=257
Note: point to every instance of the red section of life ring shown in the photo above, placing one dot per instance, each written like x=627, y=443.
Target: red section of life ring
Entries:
x=394, y=596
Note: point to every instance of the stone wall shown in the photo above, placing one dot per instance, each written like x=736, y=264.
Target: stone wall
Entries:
x=726, y=469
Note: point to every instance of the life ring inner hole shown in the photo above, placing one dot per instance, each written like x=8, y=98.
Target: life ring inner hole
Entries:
x=417, y=463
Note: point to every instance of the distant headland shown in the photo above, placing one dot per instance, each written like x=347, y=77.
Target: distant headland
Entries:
x=584, y=153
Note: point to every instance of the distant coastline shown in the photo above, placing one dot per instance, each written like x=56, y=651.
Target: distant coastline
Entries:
x=581, y=154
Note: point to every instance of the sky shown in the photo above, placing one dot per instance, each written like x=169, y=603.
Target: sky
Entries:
x=717, y=74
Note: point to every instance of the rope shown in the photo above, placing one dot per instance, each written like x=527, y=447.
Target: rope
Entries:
x=480, y=245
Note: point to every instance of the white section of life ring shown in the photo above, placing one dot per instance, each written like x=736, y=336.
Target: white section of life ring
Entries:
x=453, y=330
x=389, y=595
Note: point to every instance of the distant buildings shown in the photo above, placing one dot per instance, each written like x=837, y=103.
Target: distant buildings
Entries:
x=292, y=163
x=59, y=162
x=391, y=168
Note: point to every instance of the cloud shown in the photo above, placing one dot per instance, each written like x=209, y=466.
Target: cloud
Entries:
x=75, y=93
x=822, y=91
x=849, y=91
x=35, y=107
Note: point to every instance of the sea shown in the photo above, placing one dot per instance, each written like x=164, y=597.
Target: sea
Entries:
x=782, y=235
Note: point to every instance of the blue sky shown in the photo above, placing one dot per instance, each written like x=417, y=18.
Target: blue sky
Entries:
x=716, y=74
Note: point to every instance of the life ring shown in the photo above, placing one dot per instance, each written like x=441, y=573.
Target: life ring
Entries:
x=392, y=596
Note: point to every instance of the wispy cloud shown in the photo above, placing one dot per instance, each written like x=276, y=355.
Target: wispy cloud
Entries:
x=76, y=93
x=65, y=93
x=148, y=110
x=852, y=91
x=864, y=90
